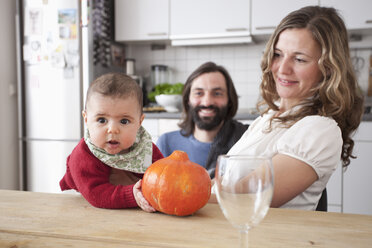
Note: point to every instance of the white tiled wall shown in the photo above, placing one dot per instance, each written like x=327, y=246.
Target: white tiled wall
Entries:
x=242, y=62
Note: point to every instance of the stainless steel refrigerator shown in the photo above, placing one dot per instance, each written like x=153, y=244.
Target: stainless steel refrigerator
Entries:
x=52, y=79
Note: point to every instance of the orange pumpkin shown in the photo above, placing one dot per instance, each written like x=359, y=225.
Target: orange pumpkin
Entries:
x=175, y=185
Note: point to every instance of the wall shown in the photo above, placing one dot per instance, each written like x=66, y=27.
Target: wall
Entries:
x=8, y=100
x=242, y=61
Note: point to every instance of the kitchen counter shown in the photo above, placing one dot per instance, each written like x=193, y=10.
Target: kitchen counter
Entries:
x=241, y=115
x=29, y=219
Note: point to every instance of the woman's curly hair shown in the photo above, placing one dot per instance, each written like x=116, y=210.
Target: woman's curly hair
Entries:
x=338, y=95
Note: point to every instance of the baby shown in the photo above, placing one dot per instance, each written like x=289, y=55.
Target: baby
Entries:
x=107, y=165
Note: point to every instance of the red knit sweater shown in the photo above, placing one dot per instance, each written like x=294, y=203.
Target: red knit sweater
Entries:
x=88, y=175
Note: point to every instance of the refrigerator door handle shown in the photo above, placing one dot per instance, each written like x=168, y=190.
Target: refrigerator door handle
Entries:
x=20, y=96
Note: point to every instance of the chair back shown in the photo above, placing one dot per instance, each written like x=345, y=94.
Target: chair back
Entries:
x=323, y=202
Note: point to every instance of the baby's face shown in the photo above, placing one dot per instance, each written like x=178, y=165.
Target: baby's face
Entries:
x=113, y=122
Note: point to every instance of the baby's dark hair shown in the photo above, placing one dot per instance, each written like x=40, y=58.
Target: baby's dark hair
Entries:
x=116, y=85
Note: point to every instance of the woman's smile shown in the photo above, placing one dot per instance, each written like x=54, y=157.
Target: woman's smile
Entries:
x=285, y=82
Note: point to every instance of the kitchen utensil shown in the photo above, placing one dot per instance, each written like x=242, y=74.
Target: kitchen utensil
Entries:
x=369, y=92
x=159, y=74
x=130, y=70
x=129, y=66
x=358, y=63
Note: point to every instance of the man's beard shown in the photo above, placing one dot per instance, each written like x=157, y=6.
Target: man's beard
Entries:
x=208, y=123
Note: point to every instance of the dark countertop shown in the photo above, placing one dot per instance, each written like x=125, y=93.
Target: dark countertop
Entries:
x=241, y=115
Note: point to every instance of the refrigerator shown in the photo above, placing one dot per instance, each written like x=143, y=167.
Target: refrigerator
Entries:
x=53, y=75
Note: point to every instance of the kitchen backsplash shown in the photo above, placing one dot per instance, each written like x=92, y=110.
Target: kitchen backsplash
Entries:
x=242, y=62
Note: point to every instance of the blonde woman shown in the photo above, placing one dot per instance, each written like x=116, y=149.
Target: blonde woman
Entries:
x=311, y=104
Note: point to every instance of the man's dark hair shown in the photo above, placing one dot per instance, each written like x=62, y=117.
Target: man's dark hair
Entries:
x=187, y=125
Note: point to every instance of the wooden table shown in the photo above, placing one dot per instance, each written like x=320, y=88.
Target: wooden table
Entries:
x=30, y=219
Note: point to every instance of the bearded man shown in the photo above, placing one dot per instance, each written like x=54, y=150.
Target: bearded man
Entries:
x=207, y=127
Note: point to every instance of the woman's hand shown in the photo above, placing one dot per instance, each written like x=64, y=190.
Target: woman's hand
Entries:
x=141, y=201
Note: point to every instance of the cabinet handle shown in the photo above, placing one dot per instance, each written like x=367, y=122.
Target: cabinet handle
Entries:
x=265, y=27
x=369, y=21
x=157, y=34
x=235, y=29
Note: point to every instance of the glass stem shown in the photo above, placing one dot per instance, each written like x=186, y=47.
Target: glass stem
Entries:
x=243, y=239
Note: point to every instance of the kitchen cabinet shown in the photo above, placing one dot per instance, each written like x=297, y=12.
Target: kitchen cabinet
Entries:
x=157, y=127
x=151, y=125
x=209, y=21
x=357, y=14
x=334, y=190
x=348, y=191
x=357, y=185
x=266, y=14
x=141, y=20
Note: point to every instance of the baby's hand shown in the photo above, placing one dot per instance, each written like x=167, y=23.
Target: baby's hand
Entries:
x=141, y=201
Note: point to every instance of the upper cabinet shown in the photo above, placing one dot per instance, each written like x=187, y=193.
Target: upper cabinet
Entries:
x=266, y=14
x=137, y=20
x=357, y=14
x=195, y=21
x=208, y=22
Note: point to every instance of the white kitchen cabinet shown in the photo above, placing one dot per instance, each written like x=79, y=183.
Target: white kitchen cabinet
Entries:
x=141, y=20
x=357, y=181
x=210, y=21
x=357, y=185
x=152, y=126
x=357, y=14
x=157, y=127
x=168, y=125
x=334, y=191
x=266, y=14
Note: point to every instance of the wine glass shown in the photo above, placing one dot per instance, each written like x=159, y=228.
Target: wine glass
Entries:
x=244, y=189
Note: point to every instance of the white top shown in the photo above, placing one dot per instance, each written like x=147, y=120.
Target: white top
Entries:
x=315, y=140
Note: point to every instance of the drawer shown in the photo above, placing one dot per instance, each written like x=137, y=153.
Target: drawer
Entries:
x=168, y=125
x=151, y=125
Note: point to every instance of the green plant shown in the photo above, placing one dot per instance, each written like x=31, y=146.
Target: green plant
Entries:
x=165, y=88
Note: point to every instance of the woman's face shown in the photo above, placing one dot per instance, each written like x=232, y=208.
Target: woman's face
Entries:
x=295, y=66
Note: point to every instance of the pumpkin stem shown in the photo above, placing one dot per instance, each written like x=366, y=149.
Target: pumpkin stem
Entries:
x=179, y=155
